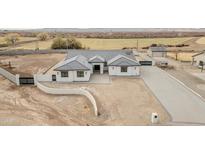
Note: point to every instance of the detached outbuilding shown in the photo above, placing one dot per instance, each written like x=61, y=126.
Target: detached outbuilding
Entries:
x=157, y=51
x=198, y=59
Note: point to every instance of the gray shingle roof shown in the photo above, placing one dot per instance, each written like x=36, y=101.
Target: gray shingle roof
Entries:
x=158, y=49
x=75, y=63
x=121, y=60
x=106, y=54
x=97, y=59
x=79, y=59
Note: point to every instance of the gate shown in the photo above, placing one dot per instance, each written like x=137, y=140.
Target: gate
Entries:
x=26, y=80
x=146, y=63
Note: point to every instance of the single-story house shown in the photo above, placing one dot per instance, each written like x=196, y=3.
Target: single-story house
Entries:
x=157, y=51
x=79, y=65
x=198, y=58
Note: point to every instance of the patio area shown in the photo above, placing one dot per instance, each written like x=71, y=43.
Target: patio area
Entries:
x=100, y=78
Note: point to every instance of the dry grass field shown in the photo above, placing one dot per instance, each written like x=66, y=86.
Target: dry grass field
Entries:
x=120, y=43
x=182, y=56
x=195, y=44
x=21, y=39
x=201, y=40
x=101, y=44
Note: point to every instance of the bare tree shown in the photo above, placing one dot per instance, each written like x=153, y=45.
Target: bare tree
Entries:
x=12, y=38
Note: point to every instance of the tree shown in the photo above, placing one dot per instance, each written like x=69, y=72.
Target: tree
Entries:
x=69, y=43
x=72, y=43
x=12, y=38
x=59, y=43
x=43, y=36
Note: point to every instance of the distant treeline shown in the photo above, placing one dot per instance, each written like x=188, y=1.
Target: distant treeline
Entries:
x=114, y=35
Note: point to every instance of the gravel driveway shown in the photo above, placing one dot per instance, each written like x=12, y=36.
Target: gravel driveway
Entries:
x=182, y=104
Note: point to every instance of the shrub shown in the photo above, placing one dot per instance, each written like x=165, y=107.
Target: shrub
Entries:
x=69, y=43
x=43, y=36
x=153, y=45
x=72, y=43
x=59, y=43
x=3, y=45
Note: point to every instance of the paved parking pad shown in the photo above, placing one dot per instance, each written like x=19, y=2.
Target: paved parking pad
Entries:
x=100, y=78
x=182, y=104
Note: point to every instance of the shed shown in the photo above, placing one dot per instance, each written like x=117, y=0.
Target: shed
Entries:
x=157, y=51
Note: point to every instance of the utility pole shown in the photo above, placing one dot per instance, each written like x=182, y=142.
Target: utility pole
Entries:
x=67, y=43
x=137, y=45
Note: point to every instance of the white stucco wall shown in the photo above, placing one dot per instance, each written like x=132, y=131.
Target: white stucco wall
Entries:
x=199, y=58
x=17, y=79
x=72, y=76
x=8, y=75
x=131, y=71
x=85, y=78
x=43, y=77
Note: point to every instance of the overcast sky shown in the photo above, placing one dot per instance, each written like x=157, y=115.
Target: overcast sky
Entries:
x=102, y=13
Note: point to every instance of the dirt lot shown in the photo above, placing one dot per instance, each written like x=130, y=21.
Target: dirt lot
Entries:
x=126, y=101
x=31, y=64
x=130, y=104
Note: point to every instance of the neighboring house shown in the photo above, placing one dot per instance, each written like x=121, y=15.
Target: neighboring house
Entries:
x=157, y=52
x=79, y=65
x=198, y=58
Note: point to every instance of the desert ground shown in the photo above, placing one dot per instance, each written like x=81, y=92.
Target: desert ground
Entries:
x=195, y=44
x=103, y=44
x=131, y=104
x=31, y=64
x=125, y=101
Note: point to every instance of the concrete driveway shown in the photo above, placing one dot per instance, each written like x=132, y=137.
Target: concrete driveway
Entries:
x=182, y=104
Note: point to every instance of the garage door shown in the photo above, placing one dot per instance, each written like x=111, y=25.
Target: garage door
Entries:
x=146, y=63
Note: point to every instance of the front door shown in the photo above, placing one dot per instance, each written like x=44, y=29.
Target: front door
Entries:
x=53, y=77
x=96, y=68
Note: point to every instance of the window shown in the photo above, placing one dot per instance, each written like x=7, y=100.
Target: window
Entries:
x=64, y=74
x=80, y=74
x=124, y=69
